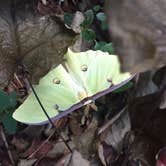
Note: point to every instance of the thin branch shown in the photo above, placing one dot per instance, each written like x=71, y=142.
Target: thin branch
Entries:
x=49, y=119
x=115, y=118
x=6, y=145
x=41, y=146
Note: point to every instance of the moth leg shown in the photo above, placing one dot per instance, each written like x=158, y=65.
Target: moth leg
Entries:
x=56, y=107
x=87, y=110
x=89, y=106
x=93, y=106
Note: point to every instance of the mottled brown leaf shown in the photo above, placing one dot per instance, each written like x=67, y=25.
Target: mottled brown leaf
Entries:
x=138, y=31
x=78, y=160
x=26, y=37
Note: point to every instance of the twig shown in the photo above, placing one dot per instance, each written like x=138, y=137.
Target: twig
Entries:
x=49, y=119
x=6, y=145
x=115, y=118
x=41, y=145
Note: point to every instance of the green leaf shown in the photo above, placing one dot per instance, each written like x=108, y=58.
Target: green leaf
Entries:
x=7, y=101
x=99, y=45
x=89, y=17
x=104, y=25
x=101, y=16
x=124, y=88
x=96, y=8
x=13, y=99
x=108, y=48
x=68, y=17
x=88, y=34
x=4, y=101
x=9, y=124
x=105, y=47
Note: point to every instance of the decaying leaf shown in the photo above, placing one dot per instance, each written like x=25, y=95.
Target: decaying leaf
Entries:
x=149, y=122
x=138, y=31
x=25, y=162
x=146, y=115
x=106, y=153
x=77, y=20
x=85, y=142
x=77, y=159
x=160, y=81
x=26, y=37
x=38, y=149
x=145, y=84
x=115, y=133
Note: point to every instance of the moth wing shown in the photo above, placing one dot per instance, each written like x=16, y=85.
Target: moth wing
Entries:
x=56, y=89
x=103, y=70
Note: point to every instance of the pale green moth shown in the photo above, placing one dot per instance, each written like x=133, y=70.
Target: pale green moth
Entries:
x=85, y=77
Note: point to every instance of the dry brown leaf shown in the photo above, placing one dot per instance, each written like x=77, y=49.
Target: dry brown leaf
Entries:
x=85, y=142
x=26, y=37
x=115, y=133
x=106, y=153
x=145, y=84
x=38, y=149
x=146, y=115
x=138, y=31
x=19, y=143
x=63, y=161
x=58, y=149
x=24, y=162
x=78, y=160
x=77, y=20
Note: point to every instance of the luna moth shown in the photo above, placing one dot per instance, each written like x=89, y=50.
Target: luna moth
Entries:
x=83, y=78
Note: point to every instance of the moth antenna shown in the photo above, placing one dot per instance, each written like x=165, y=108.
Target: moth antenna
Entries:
x=45, y=112
x=41, y=105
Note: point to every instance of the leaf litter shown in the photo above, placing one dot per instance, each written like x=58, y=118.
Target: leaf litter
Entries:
x=131, y=137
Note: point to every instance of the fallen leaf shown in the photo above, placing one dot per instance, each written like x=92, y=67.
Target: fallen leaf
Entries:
x=138, y=33
x=74, y=125
x=160, y=81
x=107, y=153
x=46, y=161
x=160, y=77
x=26, y=37
x=148, y=120
x=78, y=160
x=24, y=162
x=145, y=84
x=19, y=143
x=58, y=149
x=38, y=149
x=114, y=134
x=145, y=114
x=31, y=132
x=85, y=142
x=77, y=20
x=49, y=7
